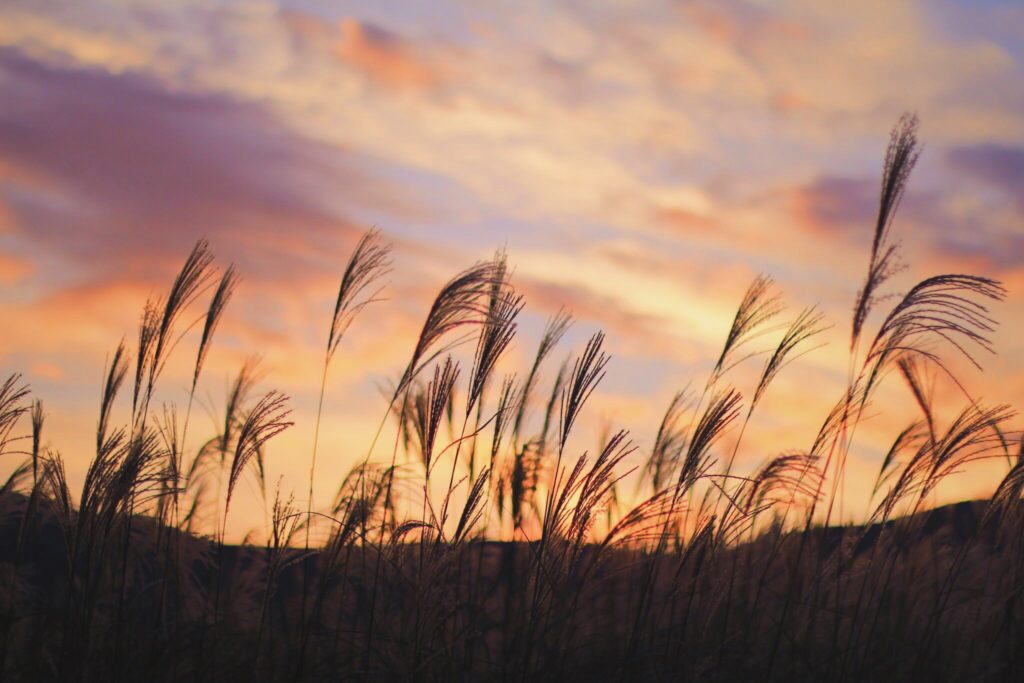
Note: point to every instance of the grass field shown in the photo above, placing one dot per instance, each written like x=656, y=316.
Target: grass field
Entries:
x=472, y=542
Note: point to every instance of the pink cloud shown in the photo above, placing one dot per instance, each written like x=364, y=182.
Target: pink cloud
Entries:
x=383, y=56
x=740, y=23
x=832, y=204
x=120, y=172
x=686, y=223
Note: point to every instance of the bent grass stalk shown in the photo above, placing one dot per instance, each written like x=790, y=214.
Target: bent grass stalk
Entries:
x=690, y=581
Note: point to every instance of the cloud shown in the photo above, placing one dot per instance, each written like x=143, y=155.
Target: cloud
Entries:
x=585, y=305
x=687, y=223
x=944, y=229
x=738, y=23
x=118, y=171
x=383, y=56
x=836, y=205
x=13, y=269
x=1001, y=166
x=46, y=370
x=847, y=208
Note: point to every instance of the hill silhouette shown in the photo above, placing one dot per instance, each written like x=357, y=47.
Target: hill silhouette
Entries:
x=932, y=545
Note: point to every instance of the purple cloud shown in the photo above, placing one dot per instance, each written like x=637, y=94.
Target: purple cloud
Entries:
x=1001, y=166
x=116, y=169
x=834, y=204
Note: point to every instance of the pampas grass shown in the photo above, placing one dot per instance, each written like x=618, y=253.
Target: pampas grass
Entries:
x=524, y=560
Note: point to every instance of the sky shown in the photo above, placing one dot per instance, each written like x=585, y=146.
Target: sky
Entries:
x=640, y=162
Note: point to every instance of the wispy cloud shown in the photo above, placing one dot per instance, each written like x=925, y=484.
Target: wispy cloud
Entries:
x=999, y=165
x=641, y=163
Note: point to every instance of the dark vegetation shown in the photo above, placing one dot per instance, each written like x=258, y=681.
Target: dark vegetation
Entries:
x=484, y=545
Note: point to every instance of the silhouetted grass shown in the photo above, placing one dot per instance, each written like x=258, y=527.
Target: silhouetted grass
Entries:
x=481, y=545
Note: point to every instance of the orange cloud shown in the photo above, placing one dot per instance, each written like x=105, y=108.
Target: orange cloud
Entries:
x=739, y=23
x=12, y=270
x=383, y=56
x=685, y=222
x=789, y=102
x=98, y=312
x=306, y=28
x=47, y=370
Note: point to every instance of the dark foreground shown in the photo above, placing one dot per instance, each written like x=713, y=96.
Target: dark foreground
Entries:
x=935, y=596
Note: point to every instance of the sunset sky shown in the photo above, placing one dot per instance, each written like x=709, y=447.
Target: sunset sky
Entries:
x=641, y=163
